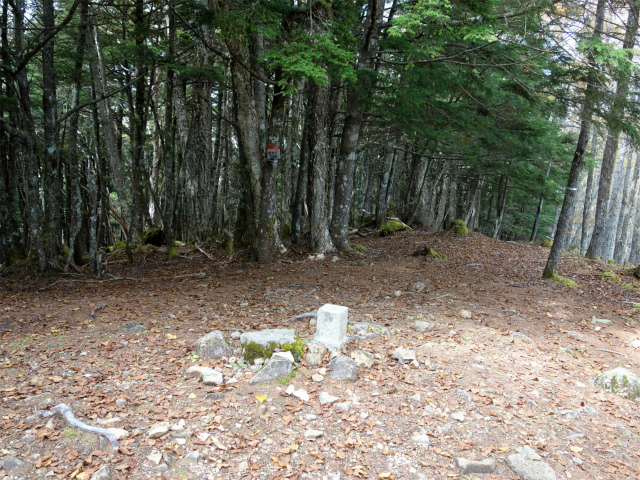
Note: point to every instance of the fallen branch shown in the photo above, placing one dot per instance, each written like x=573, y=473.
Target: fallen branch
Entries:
x=65, y=412
x=613, y=351
x=204, y=253
x=302, y=316
x=95, y=309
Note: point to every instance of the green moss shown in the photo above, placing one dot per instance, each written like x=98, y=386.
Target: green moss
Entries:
x=391, y=227
x=368, y=218
x=546, y=243
x=118, y=246
x=172, y=252
x=567, y=282
x=609, y=276
x=252, y=350
x=286, y=231
x=228, y=245
x=288, y=378
x=459, y=227
x=433, y=254
x=357, y=246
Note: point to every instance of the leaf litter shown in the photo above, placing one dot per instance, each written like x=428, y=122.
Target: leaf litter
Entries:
x=516, y=373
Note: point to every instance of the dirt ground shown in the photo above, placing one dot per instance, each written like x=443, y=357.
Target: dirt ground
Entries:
x=518, y=369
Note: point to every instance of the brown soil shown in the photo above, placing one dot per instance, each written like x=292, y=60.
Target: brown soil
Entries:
x=525, y=358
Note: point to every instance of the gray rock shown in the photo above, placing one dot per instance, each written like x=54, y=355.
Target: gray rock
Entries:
x=419, y=287
x=404, y=355
x=213, y=345
x=316, y=377
x=313, y=359
x=311, y=434
x=215, y=378
x=487, y=465
x=265, y=338
x=161, y=468
x=275, y=368
x=169, y=458
x=214, y=396
x=102, y=474
x=155, y=457
x=317, y=348
x=119, y=433
x=15, y=466
x=362, y=358
x=343, y=406
x=343, y=369
x=158, y=430
x=121, y=402
x=421, y=326
x=621, y=382
x=459, y=416
x=415, y=398
x=132, y=328
x=421, y=439
x=529, y=465
x=325, y=398
x=360, y=328
x=192, y=458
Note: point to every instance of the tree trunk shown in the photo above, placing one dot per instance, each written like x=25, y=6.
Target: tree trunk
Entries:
x=319, y=143
x=382, y=206
x=602, y=231
x=301, y=185
x=352, y=126
x=169, y=147
x=586, y=213
x=536, y=222
x=627, y=213
x=578, y=157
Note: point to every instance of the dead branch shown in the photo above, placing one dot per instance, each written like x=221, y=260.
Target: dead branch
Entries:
x=65, y=412
x=95, y=309
x=203, y=252
x=613, y=351
x=302, y=316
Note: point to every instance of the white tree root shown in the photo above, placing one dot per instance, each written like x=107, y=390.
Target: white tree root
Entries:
x=64, y=411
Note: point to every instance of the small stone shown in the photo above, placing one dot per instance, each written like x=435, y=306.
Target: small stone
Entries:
x=334, y=259
x=243, y=466
x=635, y=344
x=132, y=328
x=313, y=359
x=322, y=371
x=418, y=287
x=235, y=335
x=415, y=398
x=397, y=293
x=404, y=355
x=466, y=467
x=318, y=348
x=15, y=466
x=310, y=417
x=103, y=473
x=214, y=396
x=343, y=369
x=158, y=430
x=312, y=434
x=169, y=458
x=276, y=367
x=155, y=457
x=121, y=402
x=421, y=326
x=362, y=358
x=326, y=398
x=192, y=458
x=161, y=468
x=421, y=439
x=215, y=378
x=258, y=361
x=459, y=416
x=213, y=345
x=119, y=433
x=317, y=377
x=465, y=313
x=285, y=354
x=529, y=465
x=301, y=394
x=343, y=406
x=621, y=382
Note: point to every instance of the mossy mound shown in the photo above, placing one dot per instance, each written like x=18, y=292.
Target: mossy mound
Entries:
x=567, y=282
x=459, y=227
x=154, y=236
x=118, y=246
x=546, y=243
x=392, y=226
x=609, y=276
x=367, y=219
x=252, y=350
x=429, y=253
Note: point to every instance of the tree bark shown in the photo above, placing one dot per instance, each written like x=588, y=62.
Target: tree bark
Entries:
x=319, y=238
x=536, y=222
x=601, y=231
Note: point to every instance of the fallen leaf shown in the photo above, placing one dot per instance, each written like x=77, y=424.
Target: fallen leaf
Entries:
x=171, y=336
x=261, y=398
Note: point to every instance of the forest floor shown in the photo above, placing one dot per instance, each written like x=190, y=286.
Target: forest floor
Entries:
x=518, y=370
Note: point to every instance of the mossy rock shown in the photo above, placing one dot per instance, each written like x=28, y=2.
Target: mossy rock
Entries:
x=609, y=276
x=118, y=246
x=459, y=227
x=368, y=218
x=154, y=236
x=430, y=253
x=620, y=381
x=257, y=345
x=391, y=227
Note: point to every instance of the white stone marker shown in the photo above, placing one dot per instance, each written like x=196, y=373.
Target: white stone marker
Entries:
x=331, y=330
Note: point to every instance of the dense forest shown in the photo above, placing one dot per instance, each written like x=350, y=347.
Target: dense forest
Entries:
x=244, y=123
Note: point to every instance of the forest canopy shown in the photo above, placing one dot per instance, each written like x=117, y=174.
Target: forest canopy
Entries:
x=244, y=123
